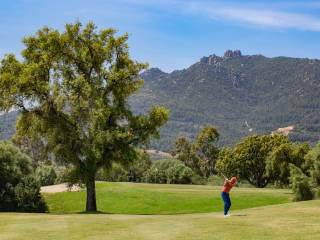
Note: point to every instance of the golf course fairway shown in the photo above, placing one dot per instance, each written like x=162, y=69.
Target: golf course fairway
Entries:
x=139, y=198
x=284, y=221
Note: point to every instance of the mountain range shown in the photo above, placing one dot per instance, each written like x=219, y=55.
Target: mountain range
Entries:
x=238, y=94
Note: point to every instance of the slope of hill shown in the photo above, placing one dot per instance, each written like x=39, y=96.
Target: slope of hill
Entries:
x=238, y=94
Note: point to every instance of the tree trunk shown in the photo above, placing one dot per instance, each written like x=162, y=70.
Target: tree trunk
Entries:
x=91, y=205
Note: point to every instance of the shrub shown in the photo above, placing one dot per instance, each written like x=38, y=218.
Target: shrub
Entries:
x=216, y=180
x=155, y=175
x=169, y=171
x=19, y=189
x=61, y=172
x=46, y=174
x=28, y=197
x=315, y=172
x=300, y=184
x=179, y=174
x=138, y=167
x=198, y=180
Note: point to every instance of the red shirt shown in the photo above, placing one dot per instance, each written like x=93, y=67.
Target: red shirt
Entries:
x=227, y=186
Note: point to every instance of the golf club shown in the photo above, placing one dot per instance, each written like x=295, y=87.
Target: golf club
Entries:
x=224, y=176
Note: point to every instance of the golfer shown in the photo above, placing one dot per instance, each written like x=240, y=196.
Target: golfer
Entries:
x=228, y=184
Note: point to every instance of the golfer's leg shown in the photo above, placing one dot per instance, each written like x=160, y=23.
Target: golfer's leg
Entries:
x=224, y=198
x=229, y=202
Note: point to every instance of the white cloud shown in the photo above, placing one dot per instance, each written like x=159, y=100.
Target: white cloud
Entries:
x=275, y=15
x=267, y=18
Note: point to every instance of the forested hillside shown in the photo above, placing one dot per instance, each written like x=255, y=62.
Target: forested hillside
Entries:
x=239, y=94
x=7, y=124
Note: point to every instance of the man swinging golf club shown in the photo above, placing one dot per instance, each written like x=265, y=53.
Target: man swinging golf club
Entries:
x=227, y=185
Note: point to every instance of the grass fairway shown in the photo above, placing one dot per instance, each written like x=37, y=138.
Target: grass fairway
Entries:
x=132, y=198
x=294, y=221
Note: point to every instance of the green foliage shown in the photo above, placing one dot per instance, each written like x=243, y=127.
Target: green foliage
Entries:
x=27, y=196
x=116, y=173
x=200, y=155
x=300, y=184
x=46, y=174
x=184, y=150
x=227, y=164
x=79, y=82
x=281, y=157
x=216, y=180
x=315, y=172
x=19, y=189
x=68, y=174
x=132, y=172
x=139, y=167
x=313, y=165
x=34, y=146
x=169, y=171
x=252, y=153
x=206, y=149
x=179, y=174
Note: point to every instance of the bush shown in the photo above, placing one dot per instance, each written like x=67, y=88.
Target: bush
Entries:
x=19, y=189
x=28, y=197
x=155, y=175
x=216, y=180
x=139, y=167
x=198, y=180
x=315, y=172
x=300, y=184
x=169, y=171
x=46, y=174
x=179, y=174
x=61, y=172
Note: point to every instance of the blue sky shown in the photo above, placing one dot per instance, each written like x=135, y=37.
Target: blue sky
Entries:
x=173, y=34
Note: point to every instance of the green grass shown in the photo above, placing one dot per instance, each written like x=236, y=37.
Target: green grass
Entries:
x=130, y=198
x=291, y=221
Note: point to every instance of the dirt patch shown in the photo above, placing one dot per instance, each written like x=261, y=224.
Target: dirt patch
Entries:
x=283, y=131
x=59, y=188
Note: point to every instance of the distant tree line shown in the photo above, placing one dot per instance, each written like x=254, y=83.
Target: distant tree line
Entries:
x=261, y=160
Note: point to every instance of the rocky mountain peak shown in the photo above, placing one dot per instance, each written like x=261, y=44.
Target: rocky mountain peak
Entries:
x=152, y=73
x=232, y=54
x=211, y=60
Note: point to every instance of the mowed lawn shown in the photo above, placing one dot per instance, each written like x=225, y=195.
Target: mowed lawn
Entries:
x=133, y=198
x=291, y=221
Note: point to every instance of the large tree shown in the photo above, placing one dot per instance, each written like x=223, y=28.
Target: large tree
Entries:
x=227, y=164
x=251, y=155
x=279, y=160
x=72, y=89
x=201, y=154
